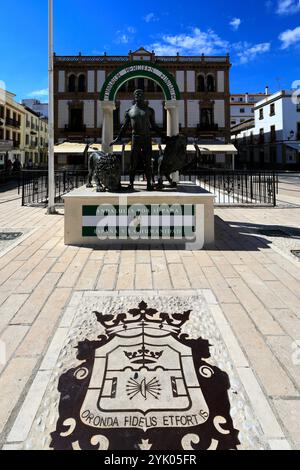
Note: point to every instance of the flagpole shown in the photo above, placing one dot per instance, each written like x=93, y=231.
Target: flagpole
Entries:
x=51, y=177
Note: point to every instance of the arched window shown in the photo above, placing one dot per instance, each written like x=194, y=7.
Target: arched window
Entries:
x=72, y=83
x=200, y=83
x=206, y=117
x=211, y=83
x=81, y=83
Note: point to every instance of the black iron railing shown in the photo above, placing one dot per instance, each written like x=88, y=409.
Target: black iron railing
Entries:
x=240, y=187
x=35, y=185
x=229, y=187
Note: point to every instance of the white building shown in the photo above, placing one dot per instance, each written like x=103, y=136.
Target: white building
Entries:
x=242, y=106
x=272, y=140
x=34, y=138
x=37, y=106
x=12, y=117
x=23, y=133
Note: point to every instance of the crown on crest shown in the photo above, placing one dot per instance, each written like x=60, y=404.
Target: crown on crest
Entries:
x=145, y=317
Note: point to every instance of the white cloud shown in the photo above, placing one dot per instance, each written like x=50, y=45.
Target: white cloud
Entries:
x=249, y=52
x=290, y=37
x=235, y=23
x=150, y=17
x=126, y=35
x=43, y=92
x=288, y=7
x=195, y=43
x=199, y=42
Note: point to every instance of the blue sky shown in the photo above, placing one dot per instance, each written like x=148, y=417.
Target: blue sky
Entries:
x=262, y=37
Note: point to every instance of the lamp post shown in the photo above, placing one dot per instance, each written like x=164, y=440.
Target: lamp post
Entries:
x=51, y=177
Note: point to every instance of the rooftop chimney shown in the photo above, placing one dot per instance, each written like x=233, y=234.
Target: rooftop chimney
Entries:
x=247, y=98
x=267, y=90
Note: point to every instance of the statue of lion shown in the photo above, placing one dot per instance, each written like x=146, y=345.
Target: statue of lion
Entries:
x=106, y=169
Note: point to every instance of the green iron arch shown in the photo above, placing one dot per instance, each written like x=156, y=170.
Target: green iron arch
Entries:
x=141, y=69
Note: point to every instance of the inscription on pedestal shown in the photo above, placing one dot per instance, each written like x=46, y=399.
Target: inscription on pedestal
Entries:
x=139, y=221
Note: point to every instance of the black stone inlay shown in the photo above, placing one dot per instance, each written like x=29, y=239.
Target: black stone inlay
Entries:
x=144, y=384
x=8, y=236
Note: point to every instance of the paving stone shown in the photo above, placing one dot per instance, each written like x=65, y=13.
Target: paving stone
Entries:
x=266, y=295
x=203, y=259
x=178, y=276
x=89, y=275
x=238, y=357
x=71, y=274
x=195, y=274
x=33, y=305
x=143, y=276
x=64, y=261
x=279, y=444
x=126, y=275
x=256, y=310
x=263, y=361
x=108, y=277
x=289, y=412
x=289, y=322
x=284, y=349
x=6, y=272
x=29, y=408
x=287, y=296
x=262, y=408
x=36, y=276
x=10, y=307
x=54, y=349
x=143, y=256
x=10, y=339
x=42, y=330
x=219, y=285
x=160, y=273
x=12, y=383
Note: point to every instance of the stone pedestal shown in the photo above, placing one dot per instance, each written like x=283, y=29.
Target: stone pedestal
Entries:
x=184, y=216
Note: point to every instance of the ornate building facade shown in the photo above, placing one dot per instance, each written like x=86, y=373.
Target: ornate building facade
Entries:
x=203, y=82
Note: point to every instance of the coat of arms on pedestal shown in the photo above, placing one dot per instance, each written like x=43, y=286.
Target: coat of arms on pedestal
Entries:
x=144, y=385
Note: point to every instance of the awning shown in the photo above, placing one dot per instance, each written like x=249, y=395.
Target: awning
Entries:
x=69, y=147
x=95, y=148
x=98, y=148
x=128, y=147
x=217, y=148
x=294, y=145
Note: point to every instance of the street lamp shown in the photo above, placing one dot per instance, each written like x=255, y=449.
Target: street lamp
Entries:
x=51, y=177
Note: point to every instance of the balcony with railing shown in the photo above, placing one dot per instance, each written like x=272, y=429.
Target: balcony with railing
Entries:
x=207, y=127
x=12, y=123
x=78, y=128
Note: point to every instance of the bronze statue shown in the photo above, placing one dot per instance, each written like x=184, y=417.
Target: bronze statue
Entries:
x=172, y=159
x=106, y=170
x=141, y=118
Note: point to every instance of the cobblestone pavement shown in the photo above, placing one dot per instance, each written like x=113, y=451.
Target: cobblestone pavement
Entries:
x=249, y=283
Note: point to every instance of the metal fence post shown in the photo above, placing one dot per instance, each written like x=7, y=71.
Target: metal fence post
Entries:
x=274, y=190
